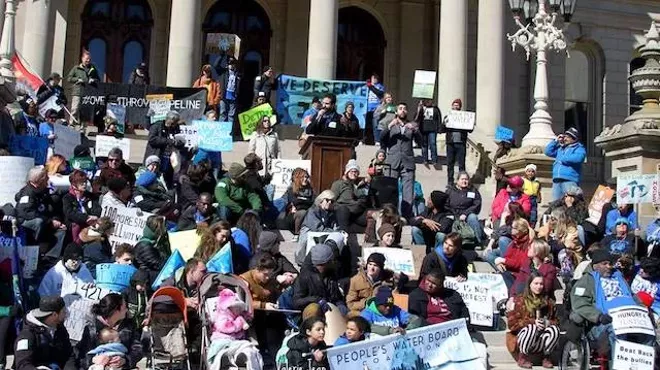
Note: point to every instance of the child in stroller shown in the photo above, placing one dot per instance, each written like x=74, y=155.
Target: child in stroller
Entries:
x=110, y=353
x=229, y=320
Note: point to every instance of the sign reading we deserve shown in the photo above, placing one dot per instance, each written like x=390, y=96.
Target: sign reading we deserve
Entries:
x=637, y=189
x=396, y=259
x=461, y=120
x=447, y=345
x=129, y=224
x=13, y=172
x=251, y=118
x=480, y=293
x=282, y=170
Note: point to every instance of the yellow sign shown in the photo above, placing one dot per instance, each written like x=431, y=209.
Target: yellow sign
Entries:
x=186, y=242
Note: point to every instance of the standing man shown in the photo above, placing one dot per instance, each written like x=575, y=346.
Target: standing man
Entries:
x=376, y=93
x=328, y=122
x=456, y=141
x=231, y=82
x=428, y=118
x=265, y=83
x=569, y=155
x=397, y=140
x=80, y=76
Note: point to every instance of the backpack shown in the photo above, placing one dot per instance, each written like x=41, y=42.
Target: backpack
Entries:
x=281, y=360
x=465, y=231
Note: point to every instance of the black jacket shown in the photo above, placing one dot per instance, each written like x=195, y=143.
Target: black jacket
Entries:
x=32, y=203
x=45, y=92
x=161, y=142
x=299, y=346
x=429, y=124
x=311, y=287
x=330, y=125
x=96, y=250
x=464, y=201
x=419, y=299
x=187, y=219
x=148, y=256
x=129, y=336
x=302, y=200
x=190, y=190
x=433, y=261
x=35, y=347
x=265, y=85
x=152, y=198
x=72, y=212
x=223, y=71
x=136, y=79
x=429, y=236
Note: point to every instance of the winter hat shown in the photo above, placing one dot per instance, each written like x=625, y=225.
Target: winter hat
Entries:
x=151, y=160
x=72, y=252
x=611, y=182
x=530, y=166
x=228, y=299
x=81, y=151
x=55, y=75
x=236, y=170
x=268, y=241
x=621, y=220
x=384, y=229
x=600, y=255
x=351, y=165
x=573, y=132
x=384, y=297
x=47, y=306
x=574, y=191
x=516, y=182
x=321, y=254
x=380, y=151
x=378, y=259
x=439, y=199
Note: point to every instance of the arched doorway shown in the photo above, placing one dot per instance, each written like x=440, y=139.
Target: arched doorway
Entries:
x=360, y=45
x=118, y=35
x=248, y=20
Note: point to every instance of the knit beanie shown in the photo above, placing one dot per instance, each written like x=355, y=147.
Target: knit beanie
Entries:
x=384, y=297
x=72, y=252
x=378, y=259
x=384, y=229
x=321, y=254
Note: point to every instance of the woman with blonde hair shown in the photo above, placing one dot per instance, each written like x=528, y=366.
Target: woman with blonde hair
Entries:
x=56, y=165
x=515, y=257
x=299, y=197
x=540, y=261
x=561, y=232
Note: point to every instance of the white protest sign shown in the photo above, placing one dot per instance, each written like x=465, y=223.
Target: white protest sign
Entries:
x=493, y=281
x=189, y=133
x=396, y=259
x=129, y=224
x=461, y=120
x=78, y=315
x=477, y=297
x=104, y=144
x=282, y=170
x=424, y=84
x=13, y=173
x=631, y=320
x=447, y=346
x=636, y=189
x=632, y=356
x=67, y=140
x=50, y=103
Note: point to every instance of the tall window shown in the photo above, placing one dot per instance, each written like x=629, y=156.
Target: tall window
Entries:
x=360, y=45
x=636, y=101
x=118, y=35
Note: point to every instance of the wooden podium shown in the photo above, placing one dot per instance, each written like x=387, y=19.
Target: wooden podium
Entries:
x=329, y=156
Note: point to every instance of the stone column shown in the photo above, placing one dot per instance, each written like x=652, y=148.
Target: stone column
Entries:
x=490, y=66
x=37, y=38
x=322, y=44
x=7, y=42
x=452, y=64
x=184, y=36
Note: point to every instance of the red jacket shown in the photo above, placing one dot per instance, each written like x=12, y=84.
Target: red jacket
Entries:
x=515, y=257
x=502, y=199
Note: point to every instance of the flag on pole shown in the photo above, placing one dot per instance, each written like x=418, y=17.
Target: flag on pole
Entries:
x=26, y=78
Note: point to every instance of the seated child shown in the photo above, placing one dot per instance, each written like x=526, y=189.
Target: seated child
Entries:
x=110, y=353
x=357, y=329
x=230, y=320
x=383, y=316
x=377, y=164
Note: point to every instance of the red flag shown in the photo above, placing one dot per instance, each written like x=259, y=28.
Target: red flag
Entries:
x=25, y=77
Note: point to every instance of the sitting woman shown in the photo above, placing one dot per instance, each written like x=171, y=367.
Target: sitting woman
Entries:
x=576, y=209
x=533, y=324
x=447, y=257
x=512, y=193
x=306, y=348
x=246, y=238
x=515, y=258
x=299, y=197
x=366, y=281
x=434, y=303
x=96, y=244
x=464, y=201
x=431, y=227
x=561, y=233
x=502, y=237
x=351, y=207
x=319, y=218
x=623, y=241
x=540, y=263
x=626, y=211
x=153, y=250
x=212, y=239
x=81, y=208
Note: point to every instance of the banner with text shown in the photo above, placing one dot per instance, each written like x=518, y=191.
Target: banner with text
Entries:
x=114, y=276
x=396, y=259
x=13, y=172
x=282, y=170
x=215, y=136
x=636, y=189
x=447, y=346
x=480, y=292
x=629, y=355
x=189, y=102
x=129, y=224
x=29, y=146
x=295, y=94
x=461, y=120
x=67, y=140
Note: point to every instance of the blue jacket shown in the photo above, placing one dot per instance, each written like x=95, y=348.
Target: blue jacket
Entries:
x=568, y=160
x=397, y=317
x=653, y=231
x=203, y=155
x=376, y=93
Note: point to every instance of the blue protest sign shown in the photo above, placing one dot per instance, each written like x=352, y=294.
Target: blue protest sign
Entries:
x=29, y=146
x=503, y=134
x=295, y=94
x=221, y=261
x=113, y=276
x=172, y=264
x=214, y=136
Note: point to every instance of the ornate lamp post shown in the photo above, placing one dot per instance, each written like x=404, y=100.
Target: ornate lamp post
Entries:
x=539, y=35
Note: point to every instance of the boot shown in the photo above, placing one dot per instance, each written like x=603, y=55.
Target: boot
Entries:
x=524, y=362
x=547, y=363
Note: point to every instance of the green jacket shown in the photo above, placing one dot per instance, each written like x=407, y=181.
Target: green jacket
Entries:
x=347, y=195
x=237, y=198
x=78, y=72
x=583, y=300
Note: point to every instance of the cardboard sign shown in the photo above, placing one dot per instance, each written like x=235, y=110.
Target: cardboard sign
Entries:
x=282, y=170
x=637, y=189
x=461, y=120
x=78, y=315
x=503, y=134
x=117, y=112
x=104, y=144
x=223, y=43
x=215, y=136
x=251, y=118
x=396, y=259
x=67, y=140
x=631, y=320
x=113, y=276
x=424, y=84
x=129, y=224
x=186, y=242
x=602, y=196
x=29, y=146
x=189, y=134
x=13, y=172
x=629, y=355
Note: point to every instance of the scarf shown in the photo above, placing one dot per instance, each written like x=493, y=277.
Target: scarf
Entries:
x=533, y=303
x=449, y=261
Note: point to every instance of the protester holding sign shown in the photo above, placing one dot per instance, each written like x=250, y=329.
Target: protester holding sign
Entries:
x=68, y=271
x=456, y=140
x=231, y=82
x=163, y=142
x=50, y=88
x=533, y=324
x=434, y=303
x=265, y=144
x=428, y=117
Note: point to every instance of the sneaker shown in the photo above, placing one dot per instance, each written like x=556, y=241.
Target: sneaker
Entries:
x=295, y=238
x=523, y=362
x=547, y=363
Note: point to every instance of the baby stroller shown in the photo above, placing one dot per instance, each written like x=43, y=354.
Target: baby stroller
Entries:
x=167, y=330
x=208, y=290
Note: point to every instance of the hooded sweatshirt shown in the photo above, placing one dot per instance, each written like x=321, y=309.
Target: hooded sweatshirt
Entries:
x=227, y=324
x=59, y=275
x=397, y=318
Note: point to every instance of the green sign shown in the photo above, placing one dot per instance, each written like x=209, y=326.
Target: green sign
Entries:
x=251, y=118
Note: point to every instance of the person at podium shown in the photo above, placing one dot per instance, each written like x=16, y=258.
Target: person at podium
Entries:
x=327, y=122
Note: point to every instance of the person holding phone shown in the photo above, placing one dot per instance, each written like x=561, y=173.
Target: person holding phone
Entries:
x=569, y=155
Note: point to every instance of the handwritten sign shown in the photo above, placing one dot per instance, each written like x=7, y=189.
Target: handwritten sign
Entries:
x=282, y=170
x=396, y=259
x=215, y=136
x=79, y=315
x=223, y=43
x=13, y=172
x=67, y=140
x=251, y=118
x=28, y=255
x=629, y=355
x=129, y=224
x=118, y=112
x=424, y=84
x=631, y=320
x=480, y=294
x=461, y=120
x=113, y=276
x=29, y=146
x=104, y=144
x=637, y=189
x=189, y=134
x=602, y=196
x=503, y=134
x=447, y=346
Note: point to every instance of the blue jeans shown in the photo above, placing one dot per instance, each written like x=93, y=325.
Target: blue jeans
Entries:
x=429, y=143
x=227, y=110
x=473, y=221
x=560, y=188
x=533, y=214
x=418, y=236
x=502, y=246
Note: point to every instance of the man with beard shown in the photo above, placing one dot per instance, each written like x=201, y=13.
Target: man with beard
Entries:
x=328, y=122
x=203, y=212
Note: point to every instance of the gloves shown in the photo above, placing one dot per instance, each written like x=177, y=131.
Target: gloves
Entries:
x=604, y=319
